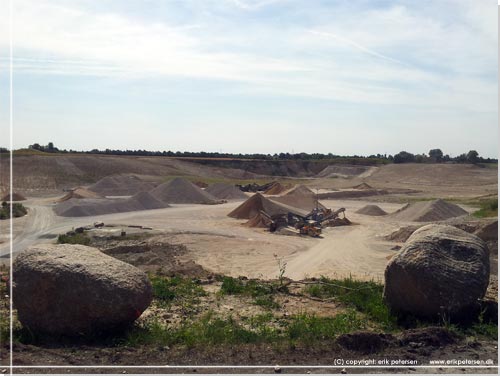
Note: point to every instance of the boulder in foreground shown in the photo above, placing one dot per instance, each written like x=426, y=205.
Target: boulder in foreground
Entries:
x=77, y=290
x=441, y=270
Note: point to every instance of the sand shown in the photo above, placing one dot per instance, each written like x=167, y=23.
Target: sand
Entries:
x=343, y=171
x=121, y=185
x=258, y=220
x=371, y=210
x=251, y=207
x=300, y=197
x=401, y=234
x=428, y=211
x=182, y=191
x=91, y=206
x=15, y=197
x=79, y=193
x=226, y=191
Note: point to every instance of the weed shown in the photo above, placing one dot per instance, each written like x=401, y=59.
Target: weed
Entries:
x=181, y=290
x=73, y=239
x=488, y=208
x=309, y=328
x=365, y=297
x=262, y=292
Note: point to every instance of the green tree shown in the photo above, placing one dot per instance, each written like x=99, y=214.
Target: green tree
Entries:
x=404, y=157
x=436, y=155
x=472, y=156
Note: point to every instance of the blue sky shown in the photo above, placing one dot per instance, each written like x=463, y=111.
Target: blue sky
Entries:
x=347, y=77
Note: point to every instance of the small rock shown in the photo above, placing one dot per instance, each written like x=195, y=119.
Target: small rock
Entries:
x=277, y=369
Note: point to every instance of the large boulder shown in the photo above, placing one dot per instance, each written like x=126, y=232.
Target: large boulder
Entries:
x=441, y=270
x=77, y=290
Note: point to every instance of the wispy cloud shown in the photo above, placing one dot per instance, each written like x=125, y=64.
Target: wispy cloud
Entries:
x=387, y=55
x=355, y=45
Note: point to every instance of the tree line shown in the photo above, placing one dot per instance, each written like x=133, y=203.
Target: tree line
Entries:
x=433, y=156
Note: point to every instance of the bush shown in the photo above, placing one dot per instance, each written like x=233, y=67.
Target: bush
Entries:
x=489, y=208
x=73, y=239
x=18, y=210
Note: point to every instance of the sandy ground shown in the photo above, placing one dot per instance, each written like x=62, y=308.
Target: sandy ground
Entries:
x=223, y=245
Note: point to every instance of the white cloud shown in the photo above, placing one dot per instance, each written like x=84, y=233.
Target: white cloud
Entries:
x=393, y=55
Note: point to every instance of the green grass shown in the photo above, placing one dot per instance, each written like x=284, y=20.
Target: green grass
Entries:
x=488, y=208
x=208, y=330
x=212, y=330
x=309, y=328
x=366, y=297
x=262, y=292
x=73, y=239
x=175, y=290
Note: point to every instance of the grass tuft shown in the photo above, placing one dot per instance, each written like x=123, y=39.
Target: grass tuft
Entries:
x=262, y=292
x=488, y=208
x=366, y=297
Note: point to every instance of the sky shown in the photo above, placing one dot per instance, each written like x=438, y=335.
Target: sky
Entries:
x=253, y=76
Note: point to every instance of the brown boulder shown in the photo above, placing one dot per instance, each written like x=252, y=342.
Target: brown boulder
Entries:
x=441, y=270
x=77, y=290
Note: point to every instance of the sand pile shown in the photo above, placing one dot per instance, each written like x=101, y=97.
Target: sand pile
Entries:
x=342, y=171
x=275, y=189
x=15, y=197
x=251, y=207
x=401, y=234
x=363, y=186
x=300, y=197
x=92, y=206
x=428, y=211
x=258, y=220
x=226, y=192
x=371, y=210
x=121, y=185
x=79, y=193
x=182, y=191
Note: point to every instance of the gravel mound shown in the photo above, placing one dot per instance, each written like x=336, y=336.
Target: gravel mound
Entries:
x=226, y=191
x=363, y=186
x=373, y=210
x=251, y=207
x=15, y=197
x=121, y=185
x=300, y=197
x=79, y=193
x=182, y=191
x=428, y=211
x=258, y=220
x=275, y=189
x=92, y=207
x=401, y=234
